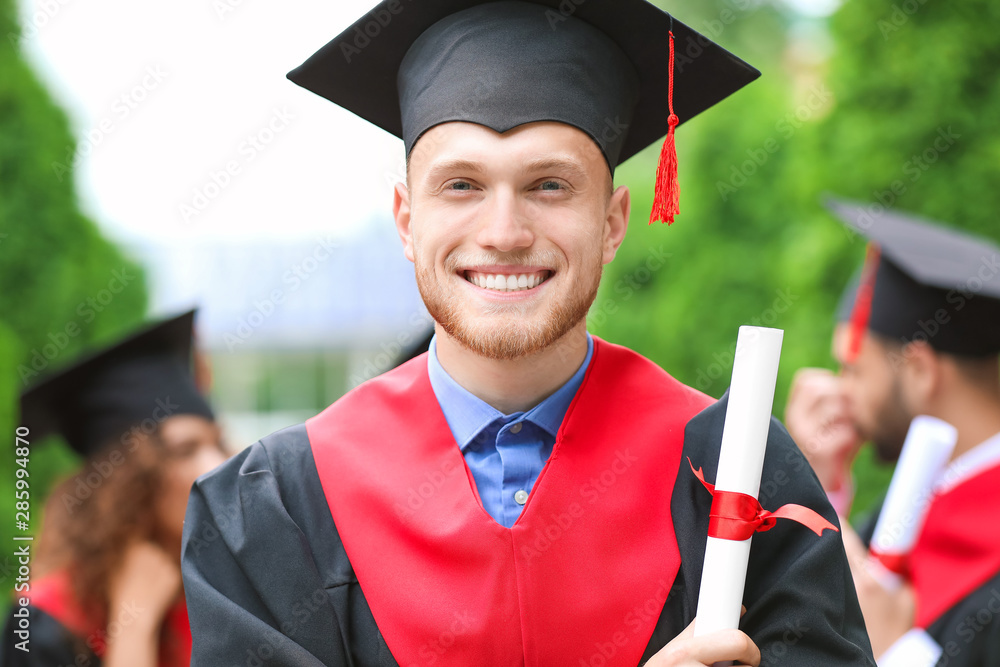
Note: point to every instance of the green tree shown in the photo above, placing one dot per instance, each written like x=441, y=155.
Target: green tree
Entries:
x=902, y=114
x=55, y=267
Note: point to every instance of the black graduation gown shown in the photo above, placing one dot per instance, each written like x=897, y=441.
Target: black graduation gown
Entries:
x=969, y=632
x=51, y=644
x=268, y=581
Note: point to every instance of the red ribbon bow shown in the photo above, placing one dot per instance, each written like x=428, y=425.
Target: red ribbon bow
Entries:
x=737, y=516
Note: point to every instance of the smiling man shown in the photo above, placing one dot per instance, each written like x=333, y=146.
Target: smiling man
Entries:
x=516, y=495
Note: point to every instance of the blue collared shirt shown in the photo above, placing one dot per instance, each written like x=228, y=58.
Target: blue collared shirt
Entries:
x=505, y=453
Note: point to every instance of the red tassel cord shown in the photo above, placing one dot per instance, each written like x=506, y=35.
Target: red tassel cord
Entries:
x=862, y=311
x=667, y=194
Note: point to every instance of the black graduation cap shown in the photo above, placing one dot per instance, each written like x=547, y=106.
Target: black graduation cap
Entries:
x=606, y=67
x=146, y=376
x=845, y=307
x=925, y=281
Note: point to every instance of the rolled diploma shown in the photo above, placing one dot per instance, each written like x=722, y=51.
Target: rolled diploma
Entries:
x=928, y=447
x=741, y=460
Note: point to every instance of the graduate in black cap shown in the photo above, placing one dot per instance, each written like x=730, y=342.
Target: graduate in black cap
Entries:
x=921, y=336
x=516, y=496
x=105, y=586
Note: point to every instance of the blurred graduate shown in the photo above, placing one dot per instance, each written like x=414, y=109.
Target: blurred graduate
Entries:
x=919, y=334
x=520, y=494
x=106, y=587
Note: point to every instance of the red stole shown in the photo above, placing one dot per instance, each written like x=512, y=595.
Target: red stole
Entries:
x=53, y=594
x=959, y=546
x=582, y=575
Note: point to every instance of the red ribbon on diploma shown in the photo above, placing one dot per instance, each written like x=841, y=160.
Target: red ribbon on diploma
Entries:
x=898, y=563
x=737, y=516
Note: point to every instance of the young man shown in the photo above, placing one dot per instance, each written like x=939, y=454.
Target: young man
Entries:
x=520, y=495
x=923, y=338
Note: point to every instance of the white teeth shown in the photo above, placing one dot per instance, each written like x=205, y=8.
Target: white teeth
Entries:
x=505, y=282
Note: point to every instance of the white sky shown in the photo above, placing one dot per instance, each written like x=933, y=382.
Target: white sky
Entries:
x=219, y=80
x=220, y=67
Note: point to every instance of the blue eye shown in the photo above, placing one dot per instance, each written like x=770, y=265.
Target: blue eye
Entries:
x=550, y=185
x=461, y=185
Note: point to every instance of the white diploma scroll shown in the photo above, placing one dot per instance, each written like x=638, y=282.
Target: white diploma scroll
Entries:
x=741, y=460
x=928, y=447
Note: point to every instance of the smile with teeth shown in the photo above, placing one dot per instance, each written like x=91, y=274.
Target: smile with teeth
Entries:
x=507, y=282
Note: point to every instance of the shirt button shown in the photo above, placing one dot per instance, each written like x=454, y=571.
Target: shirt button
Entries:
x=521, y=497
x=515, y=429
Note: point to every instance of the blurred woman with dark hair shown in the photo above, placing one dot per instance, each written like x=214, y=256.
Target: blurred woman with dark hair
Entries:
x=106, y=587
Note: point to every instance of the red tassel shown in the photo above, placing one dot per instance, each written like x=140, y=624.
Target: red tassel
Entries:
x=862, y=312
x=667, y=194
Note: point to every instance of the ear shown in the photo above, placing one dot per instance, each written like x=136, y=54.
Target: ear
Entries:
x=401, y=212
x=616, y=221
x=922, y=377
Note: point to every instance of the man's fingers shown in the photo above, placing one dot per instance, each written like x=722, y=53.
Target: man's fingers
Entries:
x=686, y=650
x=729, y=645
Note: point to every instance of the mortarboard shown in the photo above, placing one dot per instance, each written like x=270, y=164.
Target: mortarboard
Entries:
x=607, y=67
x=924, y=281
x=146, y=376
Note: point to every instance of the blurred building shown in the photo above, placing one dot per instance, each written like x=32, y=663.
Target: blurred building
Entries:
x=289, y=327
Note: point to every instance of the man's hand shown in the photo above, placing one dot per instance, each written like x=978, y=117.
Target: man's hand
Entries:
x=889, y=614
x=818, y=420
x=686, y=650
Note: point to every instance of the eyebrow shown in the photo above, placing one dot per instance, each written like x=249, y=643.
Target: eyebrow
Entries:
x=449, y=166
x=567, y=166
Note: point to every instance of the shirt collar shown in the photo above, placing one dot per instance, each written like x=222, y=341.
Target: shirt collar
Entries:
x=468, y=415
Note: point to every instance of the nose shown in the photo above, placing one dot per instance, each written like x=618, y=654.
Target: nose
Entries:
x=505, y=225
